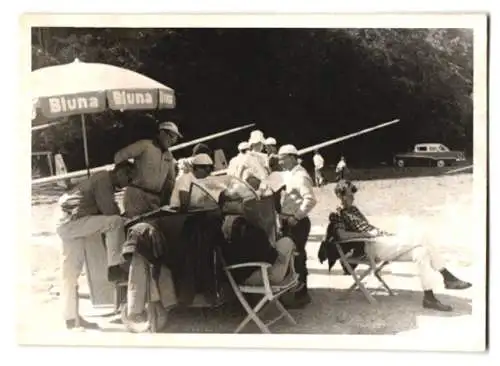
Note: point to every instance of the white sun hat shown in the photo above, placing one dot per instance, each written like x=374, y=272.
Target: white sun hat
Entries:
x=202, y=159
x=256, y=137
x=243, y=146
x=270, y=141
x=288, y=150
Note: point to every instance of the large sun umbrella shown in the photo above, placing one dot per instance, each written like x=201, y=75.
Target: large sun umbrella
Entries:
x=81, y=88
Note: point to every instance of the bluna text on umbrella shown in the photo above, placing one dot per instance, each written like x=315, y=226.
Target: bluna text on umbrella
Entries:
x=166, y=98
x=65, y=104
x=123, y=98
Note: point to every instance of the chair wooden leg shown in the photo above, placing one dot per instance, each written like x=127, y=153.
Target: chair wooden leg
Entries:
x=361, y=286
x=381, y=280
x=357, y=281
x=285, y=312
x=252, y=315
x=361, y=278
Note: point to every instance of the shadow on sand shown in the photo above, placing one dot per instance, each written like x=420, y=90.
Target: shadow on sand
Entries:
x=328, y=313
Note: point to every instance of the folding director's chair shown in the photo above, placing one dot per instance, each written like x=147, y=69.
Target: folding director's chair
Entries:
x=374, y=266
x=270, y=293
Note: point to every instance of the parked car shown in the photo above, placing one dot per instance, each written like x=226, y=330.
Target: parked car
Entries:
x=429, y=154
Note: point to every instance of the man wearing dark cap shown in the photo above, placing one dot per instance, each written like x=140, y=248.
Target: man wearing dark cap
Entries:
x=154, y=170
x=202, y=149
x=411, y=245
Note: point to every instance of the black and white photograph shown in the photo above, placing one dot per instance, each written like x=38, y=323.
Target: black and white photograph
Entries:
x=209, y=178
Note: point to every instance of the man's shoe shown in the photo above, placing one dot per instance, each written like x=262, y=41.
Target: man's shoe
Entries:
x=457, y=285
x=71, y=324
x=436, y=305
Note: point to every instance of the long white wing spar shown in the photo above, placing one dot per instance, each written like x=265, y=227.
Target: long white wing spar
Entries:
x=331, y=142
x=82, y=173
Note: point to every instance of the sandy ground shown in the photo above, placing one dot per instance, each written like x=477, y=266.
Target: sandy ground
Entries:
x=441, y=205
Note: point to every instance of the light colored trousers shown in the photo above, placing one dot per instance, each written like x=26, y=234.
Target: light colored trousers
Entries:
x=278, y=270
x=74, y=236
x=137, y=295
x=410, y=245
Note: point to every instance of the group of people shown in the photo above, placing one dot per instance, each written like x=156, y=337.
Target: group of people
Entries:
x=155, y=179
x=90, y=210
x=341, y=170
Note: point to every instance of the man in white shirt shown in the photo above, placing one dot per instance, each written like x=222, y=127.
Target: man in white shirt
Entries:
x=202, y=167
x=319, y=163
x=235, y=163
x=341, y=169
x=254, y=167
x=256, y=143
x=297, y=202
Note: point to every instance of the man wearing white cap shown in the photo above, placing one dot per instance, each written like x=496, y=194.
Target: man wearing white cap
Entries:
x=254, y=165
x=272, y=154
x=270, y=146
x=298, y=201
x=155, y=170
x=90, y=210
x=234, y=163
x=202, y=166
x=257, y=142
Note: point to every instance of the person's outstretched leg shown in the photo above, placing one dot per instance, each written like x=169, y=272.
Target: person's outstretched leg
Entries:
x=451, y=282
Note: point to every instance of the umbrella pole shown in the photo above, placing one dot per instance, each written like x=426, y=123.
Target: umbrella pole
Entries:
x=85, y=148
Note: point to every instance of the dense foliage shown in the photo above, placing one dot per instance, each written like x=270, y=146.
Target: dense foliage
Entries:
x=301, y=86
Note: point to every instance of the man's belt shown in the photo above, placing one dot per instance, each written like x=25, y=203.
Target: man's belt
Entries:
x=150, y=191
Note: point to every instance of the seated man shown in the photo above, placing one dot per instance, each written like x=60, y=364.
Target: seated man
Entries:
x=410, y=246
x=146, y=245
x=88, y=210
x=202, y=166
x=249, y=243
x=182, y=264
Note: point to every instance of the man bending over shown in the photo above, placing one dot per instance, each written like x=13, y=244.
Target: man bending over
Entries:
x=90, y=210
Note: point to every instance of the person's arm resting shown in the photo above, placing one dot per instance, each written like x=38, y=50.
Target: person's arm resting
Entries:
x=131, y=151
x=343, y=234
x=340, y=230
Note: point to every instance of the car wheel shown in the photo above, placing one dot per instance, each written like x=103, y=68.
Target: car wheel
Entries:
x=400, y=163
x=440, y=164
